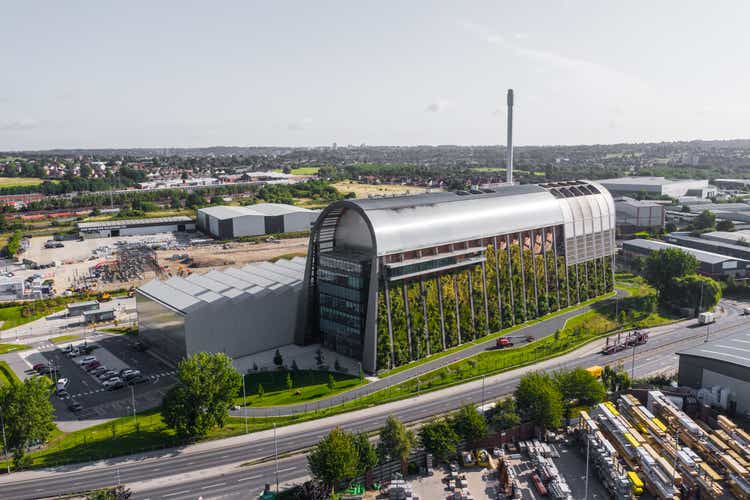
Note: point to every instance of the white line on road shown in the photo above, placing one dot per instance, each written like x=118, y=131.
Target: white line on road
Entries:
x=176, y=493
x=287, y=469
x=257, y=476
x=213, y=486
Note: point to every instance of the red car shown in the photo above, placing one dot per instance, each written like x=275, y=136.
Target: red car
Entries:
x=39, y=366
x=93, y=365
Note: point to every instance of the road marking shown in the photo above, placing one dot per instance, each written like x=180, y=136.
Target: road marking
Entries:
x=176, y=493
x=213, y=486
x=257, y=476
x=287, y=469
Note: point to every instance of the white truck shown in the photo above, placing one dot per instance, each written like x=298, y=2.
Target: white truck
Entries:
x=706, y=318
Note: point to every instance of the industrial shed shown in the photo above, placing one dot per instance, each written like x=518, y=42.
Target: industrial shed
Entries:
x=135, y=227
x=235, y=311
x=722, y=364
x=638, y=215
x=226, y=222
x=711, y=264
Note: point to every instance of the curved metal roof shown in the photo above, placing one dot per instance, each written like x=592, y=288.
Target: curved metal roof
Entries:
x=427, y=220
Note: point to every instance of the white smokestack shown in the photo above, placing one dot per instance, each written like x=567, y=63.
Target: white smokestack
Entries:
x=509, y=152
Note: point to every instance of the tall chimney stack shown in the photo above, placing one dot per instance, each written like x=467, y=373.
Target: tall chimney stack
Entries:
x=509, y=151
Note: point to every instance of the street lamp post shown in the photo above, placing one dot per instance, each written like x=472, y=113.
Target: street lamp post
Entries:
x=632, y=365
x=132, y=396
x=707, y=327
x=5, y=443
x=276, y=457
x=483, y=393
x=244, y=402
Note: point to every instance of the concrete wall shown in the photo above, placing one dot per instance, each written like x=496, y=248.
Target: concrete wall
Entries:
x=249, y=225
x=244, y=325
x=161, y=328
x=299, y=221
x=699, y=372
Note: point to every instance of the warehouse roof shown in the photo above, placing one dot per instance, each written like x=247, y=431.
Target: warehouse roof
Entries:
x=728, y=237
x=647, y=180
x=733, y=349
x=637, y=203
x=197, y=290
x=717, y=244
x=261, y=209
x=701, y=255
x=421, y=221
x=155, y=221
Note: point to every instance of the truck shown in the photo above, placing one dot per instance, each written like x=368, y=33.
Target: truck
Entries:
x=503, y=342
x=507, y=341
x=706, y=318
x=595, y=371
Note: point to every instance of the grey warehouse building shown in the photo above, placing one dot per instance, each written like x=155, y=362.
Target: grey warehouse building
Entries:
x=226, y=222
x=710, y=264
x=720, y=363
x=235, y=311
x=658, y=186
x=638, y=215
x=135, y=227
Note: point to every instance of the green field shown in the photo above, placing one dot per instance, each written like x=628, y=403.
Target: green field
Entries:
x=309, y=385
x=300, y=170
x=64, y=338
x=122, y=330
x=11, y=317
x=8, y=182
x=5, y=348
x=7, y=377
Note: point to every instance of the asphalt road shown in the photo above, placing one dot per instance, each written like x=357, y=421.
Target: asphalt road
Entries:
x=654, y=356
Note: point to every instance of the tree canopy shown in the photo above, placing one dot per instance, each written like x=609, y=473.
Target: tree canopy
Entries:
x=539, y=399
x=505, y=414
x=663, y=266
x=206, y=385
x=578, y=386
x=334, y=459
x=396, y=440
x=439, y=438
x=27, y=414
x=697, y=292
x=704, y=220
x=470, y=424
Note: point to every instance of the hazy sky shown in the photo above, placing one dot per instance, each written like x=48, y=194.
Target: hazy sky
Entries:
x=179, y=73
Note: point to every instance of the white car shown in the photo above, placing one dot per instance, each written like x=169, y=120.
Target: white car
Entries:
x=113, y=381
x=62, y=383
x=85, y=360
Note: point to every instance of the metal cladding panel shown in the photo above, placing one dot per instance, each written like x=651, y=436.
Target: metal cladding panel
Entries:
x=422, y=225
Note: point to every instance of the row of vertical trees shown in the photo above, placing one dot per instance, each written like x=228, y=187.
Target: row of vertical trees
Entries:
x=428, y=315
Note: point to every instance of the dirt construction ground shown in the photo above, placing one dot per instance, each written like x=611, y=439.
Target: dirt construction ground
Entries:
x=233, y=254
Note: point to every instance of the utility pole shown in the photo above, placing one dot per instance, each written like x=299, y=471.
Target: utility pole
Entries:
x=5, y=443
x=632, y=366
x=244, y=402
x=588, y=445
x=483, y=393
x=276, y=457
x=132, y=396
x=707, y=327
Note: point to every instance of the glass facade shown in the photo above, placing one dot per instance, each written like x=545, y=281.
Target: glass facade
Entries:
x=343, y=279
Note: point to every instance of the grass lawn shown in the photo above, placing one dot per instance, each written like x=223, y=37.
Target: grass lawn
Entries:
x=64, y=338
x=5, y=348
x=7, y=377
x=6, y=182
x=13, y=316
x=122, y=330
x=309, y=385
x=362, y=190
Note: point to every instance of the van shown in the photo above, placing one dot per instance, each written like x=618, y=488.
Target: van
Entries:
x=706, y=318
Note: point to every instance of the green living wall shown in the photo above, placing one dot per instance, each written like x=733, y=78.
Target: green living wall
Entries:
x=548, y=283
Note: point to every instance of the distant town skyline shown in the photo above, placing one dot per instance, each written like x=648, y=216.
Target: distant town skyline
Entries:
x=178, y=74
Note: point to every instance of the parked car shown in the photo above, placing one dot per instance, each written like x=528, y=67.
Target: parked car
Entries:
x=86, y=349
x=114, y=383
x=92, y=365
x=73, y=353
x=44, y=370
x=130, y=374
x=75, y=407
x=85, y=360
x=138, y=379
x=62, y=393
x=98, y=370
x=107, y=375
x=61, y=384
x=68, y=348
x=39, y=366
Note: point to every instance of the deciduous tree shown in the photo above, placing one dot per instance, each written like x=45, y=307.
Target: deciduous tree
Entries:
x=539, y=400
x=335, y=458
x=439, y=438
x=206, y=385
x=396, y=440
x=470, y=424
x=27, y=414
x=664, y=266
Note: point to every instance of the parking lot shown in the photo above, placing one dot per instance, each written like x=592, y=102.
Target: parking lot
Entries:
x=115, y=352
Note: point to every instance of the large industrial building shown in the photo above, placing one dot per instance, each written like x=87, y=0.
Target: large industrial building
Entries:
x=722, y=368
x=713, y=242
x=227, y=222
x=658, y=186
x=135, y=227
x=711, y=264
x=638, y=215
x=234, y=311
x=392, y=280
